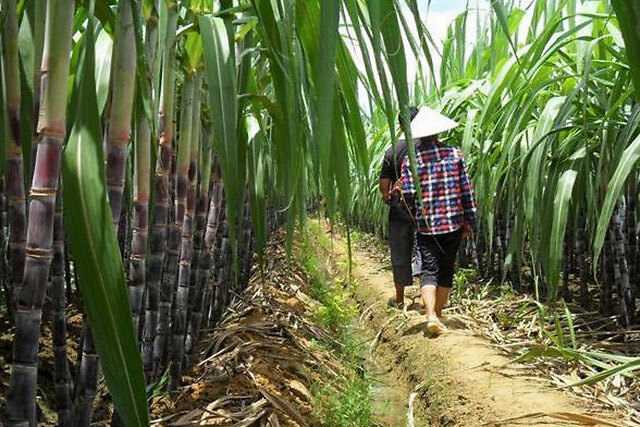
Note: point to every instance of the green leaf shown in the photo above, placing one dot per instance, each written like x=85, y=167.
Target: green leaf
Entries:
x=193, y=47
x=537, y=352
x=572, y=331
x=324, y=76
x=223, y=101
x=26, y=50
x=625, y=368
x=96, y=254
x=318, y=28
x=104, y=48
x=561, y=206
x=503, y=19
x=614, y=189
x=628, y=13
x=543, y=127
x=4, y=125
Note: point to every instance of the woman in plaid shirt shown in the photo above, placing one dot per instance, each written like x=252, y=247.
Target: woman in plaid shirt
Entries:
x=445, y=209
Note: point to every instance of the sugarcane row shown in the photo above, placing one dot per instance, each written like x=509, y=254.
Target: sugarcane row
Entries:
x=181, y=270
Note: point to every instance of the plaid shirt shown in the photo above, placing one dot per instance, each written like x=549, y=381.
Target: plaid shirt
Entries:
x=447, y=194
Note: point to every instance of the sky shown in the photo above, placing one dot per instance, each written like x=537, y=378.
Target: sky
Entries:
x=438, y=15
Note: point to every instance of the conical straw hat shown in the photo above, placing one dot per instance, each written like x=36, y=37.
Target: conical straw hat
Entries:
x=430, y=122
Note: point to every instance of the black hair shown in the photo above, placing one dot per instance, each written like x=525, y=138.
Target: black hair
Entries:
x=413, y=112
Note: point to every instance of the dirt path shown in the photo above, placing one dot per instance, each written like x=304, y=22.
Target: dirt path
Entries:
x=458, y=379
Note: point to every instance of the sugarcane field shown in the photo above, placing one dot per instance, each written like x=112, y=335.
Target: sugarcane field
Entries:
x=319, y=213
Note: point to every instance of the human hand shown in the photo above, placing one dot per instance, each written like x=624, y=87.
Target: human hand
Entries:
x=466, y=231
x=396, y=189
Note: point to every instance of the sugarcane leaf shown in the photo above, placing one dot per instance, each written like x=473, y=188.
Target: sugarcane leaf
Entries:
x=324, y=83
x=467, y=139
x=274, y=109
x=348, y=83
x=318, y=22
x=26, y=50
x=628, y=13
x=194, y=48
x=340, y=165
x=103, y=11
x=220, y=73
x=614, y=188
x=625, y=368
x=572, y=332
x=503, y=19
x=537, y=352
x=143, y=78
x=104, y=47
x=285, y=63
x=536, y=164
x=257, y=180
x=95, y=251
x=4, y=118
x=561, y=206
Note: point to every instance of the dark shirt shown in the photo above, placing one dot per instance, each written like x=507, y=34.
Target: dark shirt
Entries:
x=392, y=170
x=392, y=167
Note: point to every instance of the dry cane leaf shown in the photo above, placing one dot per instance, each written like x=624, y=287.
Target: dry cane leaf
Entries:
x=284, y=406
x=300, y=390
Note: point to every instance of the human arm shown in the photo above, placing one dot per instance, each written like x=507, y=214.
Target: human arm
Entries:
x=386, y=176
x=384, y=186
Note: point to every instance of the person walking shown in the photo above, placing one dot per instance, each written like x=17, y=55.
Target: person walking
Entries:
x=445, y=211
x=401, y=225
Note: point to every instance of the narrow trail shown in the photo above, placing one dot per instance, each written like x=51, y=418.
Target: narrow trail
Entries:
x=457, y=379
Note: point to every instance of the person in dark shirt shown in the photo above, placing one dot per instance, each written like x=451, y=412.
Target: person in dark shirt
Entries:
x=401, y=225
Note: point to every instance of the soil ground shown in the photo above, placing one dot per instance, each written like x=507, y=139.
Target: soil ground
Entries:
x=458, y=379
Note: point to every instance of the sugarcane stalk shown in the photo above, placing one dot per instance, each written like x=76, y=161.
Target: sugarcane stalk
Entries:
x=243, y=249
x=631, y=223
x=185, y=209
x=157, y=315
x=151, y=43
x=137, y=266
x=141, y=189
x=21, y=402
x=222, y=268
x=248, y=248
x=224, y=279
x=220, y=251
x=566, y=264
x=3, y=263
x=626, y=298
x=14, y=178
x=607, y=275
x=198, y=279
x=38, y=45
x=86, y=381
x=59, y=320
x=118, y=127
x=123, y=230
x=173, y=243
x=582, y=256
x=501, y=247
x=210, y=240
